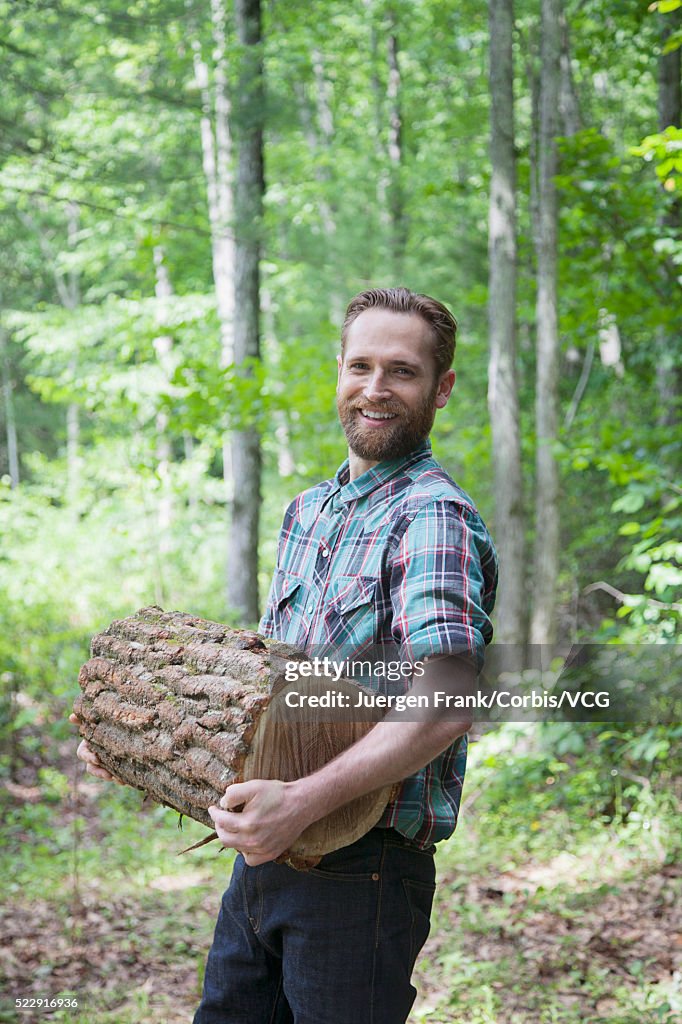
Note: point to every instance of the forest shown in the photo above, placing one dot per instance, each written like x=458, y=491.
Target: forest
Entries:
x=191, y=193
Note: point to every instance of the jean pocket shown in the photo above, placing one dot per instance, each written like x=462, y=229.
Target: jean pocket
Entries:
x=397, y=839
x=359, y=862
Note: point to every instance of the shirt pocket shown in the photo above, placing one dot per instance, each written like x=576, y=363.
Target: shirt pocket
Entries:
x=350, y=614
x=290, y=608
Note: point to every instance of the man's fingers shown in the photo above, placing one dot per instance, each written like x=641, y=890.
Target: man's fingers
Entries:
x=93, y=765
x=230, y=832
x=237, y=795
x=227, y=821
x=85, y=753
x=102, y=773
x=228, y=829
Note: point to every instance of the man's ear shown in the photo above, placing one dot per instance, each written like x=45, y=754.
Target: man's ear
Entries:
x=339, y=364
x=447, y=382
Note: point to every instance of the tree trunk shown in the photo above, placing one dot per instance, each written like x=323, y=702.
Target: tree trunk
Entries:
x=242, y=577
x=319, y=132
x=8, y=409
x=396, y=197
x=543, y=621
x=286, y=465
x=378, y=120
x=163, y=346
x=668, y=368
x=180, y=708
x=73, y=301
x=216, y=148
x=319, y=138
x=569, y=105
x=67, y=286
x=503, y=398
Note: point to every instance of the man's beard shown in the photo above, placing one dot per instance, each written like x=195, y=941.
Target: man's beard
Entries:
x=393, y=441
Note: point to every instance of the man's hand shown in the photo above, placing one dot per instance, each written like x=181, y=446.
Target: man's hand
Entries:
x=270, y=820
x=274, y=814
x=92, y=762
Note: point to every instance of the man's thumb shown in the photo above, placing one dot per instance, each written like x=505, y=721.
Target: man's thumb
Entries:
x=237, y=796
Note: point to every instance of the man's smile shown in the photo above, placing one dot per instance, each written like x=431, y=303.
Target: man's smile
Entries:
x=376, y=417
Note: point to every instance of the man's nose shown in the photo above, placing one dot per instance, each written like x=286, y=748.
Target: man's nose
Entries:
x=377, y=387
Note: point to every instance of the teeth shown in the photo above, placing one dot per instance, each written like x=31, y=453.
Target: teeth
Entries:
x=379, y=415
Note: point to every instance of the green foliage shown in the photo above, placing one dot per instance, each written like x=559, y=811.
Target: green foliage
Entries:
x=666, y=149
x=665, y=6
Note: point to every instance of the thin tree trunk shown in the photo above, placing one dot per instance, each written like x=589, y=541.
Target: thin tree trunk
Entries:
x=543, y=620
x=503, y=398
x=396, y=197
x=242, y=579
x=319, y=136
x=73, y=300
x=668, y=370
x=379, y=97
x=8, y=409
x=163, y=346
x=73, y=430
x=285, y=459
x=68, y=290
x=569, y=106
x=216, y=148
x=534, y=89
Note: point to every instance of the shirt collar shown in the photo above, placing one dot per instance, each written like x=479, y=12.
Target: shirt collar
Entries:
x=378, y=475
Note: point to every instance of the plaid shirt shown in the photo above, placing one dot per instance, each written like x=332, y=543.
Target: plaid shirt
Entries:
x=398, y=559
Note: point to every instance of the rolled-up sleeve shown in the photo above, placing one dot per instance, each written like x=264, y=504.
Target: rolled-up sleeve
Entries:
x=443, y=578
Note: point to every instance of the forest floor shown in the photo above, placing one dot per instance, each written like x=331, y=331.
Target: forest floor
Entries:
x=98, y=907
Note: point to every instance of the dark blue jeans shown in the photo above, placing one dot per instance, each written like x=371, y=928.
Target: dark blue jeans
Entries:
x=334, y=945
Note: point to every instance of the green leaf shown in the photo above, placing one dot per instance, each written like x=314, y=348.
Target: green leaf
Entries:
x=631, y=501
x=673, y=42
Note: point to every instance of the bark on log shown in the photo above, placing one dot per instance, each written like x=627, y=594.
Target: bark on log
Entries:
x=181, y=707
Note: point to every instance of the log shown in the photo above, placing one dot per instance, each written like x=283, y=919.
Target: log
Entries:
x=181, y=707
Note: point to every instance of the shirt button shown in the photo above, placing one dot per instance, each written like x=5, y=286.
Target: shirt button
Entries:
x=325, y=552
x=311, y=609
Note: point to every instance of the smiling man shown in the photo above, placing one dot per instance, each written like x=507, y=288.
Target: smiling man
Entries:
x=388, y=554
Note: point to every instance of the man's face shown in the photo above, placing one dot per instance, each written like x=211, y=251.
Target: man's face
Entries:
x=388, y=391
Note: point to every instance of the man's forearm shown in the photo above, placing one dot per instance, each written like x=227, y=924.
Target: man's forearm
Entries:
x=274, y=813
x=391, y=751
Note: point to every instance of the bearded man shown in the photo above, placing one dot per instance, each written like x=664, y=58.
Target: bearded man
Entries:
x=388, y=554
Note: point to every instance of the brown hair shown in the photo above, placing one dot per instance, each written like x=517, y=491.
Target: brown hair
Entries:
x=401, y=300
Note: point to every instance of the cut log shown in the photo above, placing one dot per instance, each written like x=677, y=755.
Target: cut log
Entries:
x=181, y=708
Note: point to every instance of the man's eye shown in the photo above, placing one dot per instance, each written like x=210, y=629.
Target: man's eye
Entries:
x=358, y=366
x=404, y=371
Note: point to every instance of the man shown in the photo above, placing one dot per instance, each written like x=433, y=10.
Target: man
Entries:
x=390, y=553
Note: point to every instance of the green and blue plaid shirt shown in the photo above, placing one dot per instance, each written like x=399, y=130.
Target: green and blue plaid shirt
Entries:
x=396, y=560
